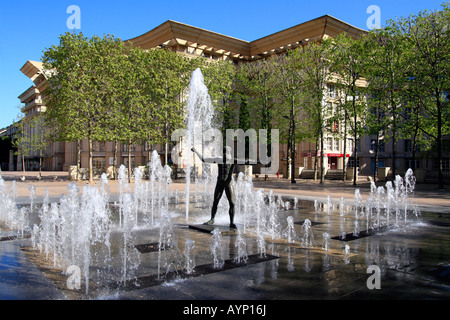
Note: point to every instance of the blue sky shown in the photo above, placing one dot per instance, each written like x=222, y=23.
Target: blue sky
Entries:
x=28, y=27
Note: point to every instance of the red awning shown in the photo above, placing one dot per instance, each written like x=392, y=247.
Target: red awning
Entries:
x=338, y=155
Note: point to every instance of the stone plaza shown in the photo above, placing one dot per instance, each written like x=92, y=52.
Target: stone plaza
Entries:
x=413, y=262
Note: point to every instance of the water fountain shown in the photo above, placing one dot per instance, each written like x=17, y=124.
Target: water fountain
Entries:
x=189, y=256
x=289, y=233
x=358, y=203
x=273, y=224
x=130, y=256
x=326, y=241
x=261, y=246
x=82, y=228
x=342, y=206
x=346, y=250
x=200, y=116
x=217, y=249
x=329, y=205
x=169, y=255
x=307, y=235
x=241, y=248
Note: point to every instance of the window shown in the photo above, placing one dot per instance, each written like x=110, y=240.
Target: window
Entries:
x=329, y=107
x=373, y=145
x=98, y=146
x=409, y=164
x=331, y=92
x=132, y=148
x=445, y=164
x=329, y=145
x=408, y=145
x=98, y=164
x=380, y=164
x=336, y=144
x=349, y=145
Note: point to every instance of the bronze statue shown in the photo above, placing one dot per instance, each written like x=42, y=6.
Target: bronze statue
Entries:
x=225, y=173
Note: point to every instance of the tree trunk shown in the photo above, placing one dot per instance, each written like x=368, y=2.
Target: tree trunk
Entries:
x=78, y=159
x=166, y=155
x=355, y=123
x=91, y=171
x=129, y=160
x=322, y=168
x=344, y=158
x=377, y=148
x=288, y=158
x=315, y=158
x=23, y=164
x=413, y=148
x=439, y=141
x=394, y=151
x=355, y=157
x=115, y=160
x=394, y=131
x=149, y=152
x=40, y=164
x=293, y=143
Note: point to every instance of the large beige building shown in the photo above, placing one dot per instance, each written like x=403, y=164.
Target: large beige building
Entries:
x=192, y=41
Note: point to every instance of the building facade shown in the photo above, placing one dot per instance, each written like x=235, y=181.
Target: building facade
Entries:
x=193, y=42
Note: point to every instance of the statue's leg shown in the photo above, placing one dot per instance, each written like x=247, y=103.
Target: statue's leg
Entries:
x=229, y=194
x=218, y=192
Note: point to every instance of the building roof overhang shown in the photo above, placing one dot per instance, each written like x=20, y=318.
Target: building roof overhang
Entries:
x=32, y=69
x=313, y=30
x=172, y=32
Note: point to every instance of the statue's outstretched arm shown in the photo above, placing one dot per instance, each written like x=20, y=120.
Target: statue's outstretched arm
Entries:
x=247, y=161
x=207, y=160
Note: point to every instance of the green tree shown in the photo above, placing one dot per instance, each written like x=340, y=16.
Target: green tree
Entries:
x=32, y=138
x=169, y=75
x=136, y=106
x=79, y=86
x=255, y=87
x=289, y=80
x=428, y=34
x=347, y=62
x=220, y=78
x=315, y=63
x=385, y=64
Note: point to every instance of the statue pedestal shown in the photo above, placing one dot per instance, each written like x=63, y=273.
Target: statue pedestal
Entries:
x=225, y=230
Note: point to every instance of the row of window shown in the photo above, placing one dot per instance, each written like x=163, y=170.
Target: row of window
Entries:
x=101, y=147
x=408, y=146
x=333, y=144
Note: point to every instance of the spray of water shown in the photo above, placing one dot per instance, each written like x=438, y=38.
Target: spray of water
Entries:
x=200, y=116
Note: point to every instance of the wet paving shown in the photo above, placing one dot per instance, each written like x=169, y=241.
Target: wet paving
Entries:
x=413, y=262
